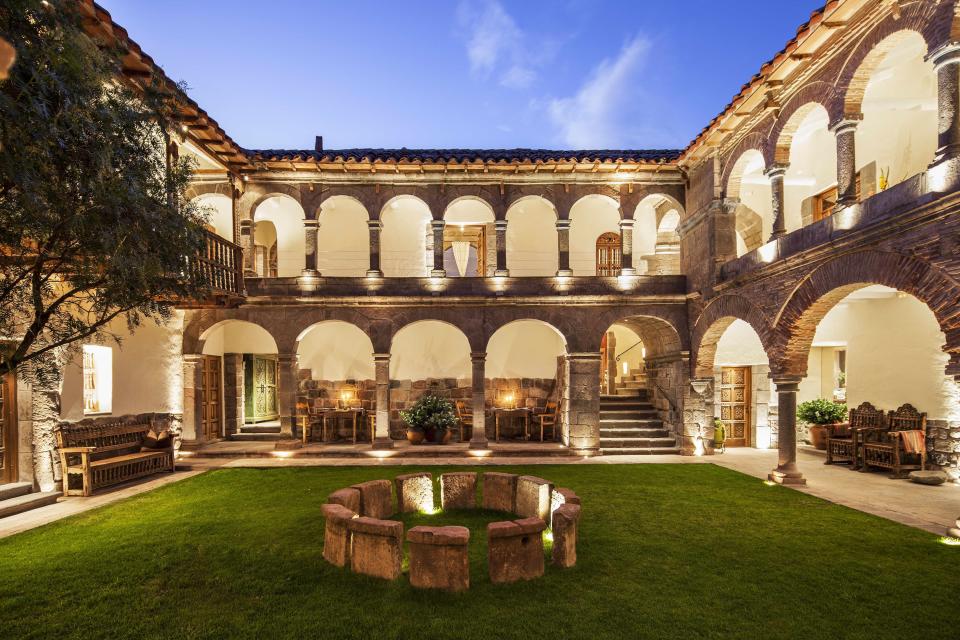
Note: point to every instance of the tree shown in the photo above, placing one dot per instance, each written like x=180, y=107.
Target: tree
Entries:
x=94, y=226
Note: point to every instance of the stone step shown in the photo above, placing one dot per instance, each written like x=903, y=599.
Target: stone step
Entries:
x=632, y=425
x=19, y=504
x=257, y=437
x=15, y=489
x=632, y=402
x=633, y=433
x=639, y=451
x=255, y=428
x=624, y=397
x=637, y=443
x=628, y=415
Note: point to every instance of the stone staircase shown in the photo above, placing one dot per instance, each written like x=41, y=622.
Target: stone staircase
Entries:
x=633, y=384
x=17, y=497
x=257, y=433
x=629, y=425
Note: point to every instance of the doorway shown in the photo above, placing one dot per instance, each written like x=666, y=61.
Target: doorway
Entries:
x=212, y=397
x=8, y=428
x=260, y=388
x=735, y=405
x=464, y=249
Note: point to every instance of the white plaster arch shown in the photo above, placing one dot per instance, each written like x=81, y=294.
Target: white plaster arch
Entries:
x=287, y=217
x=590, y=217
x=343, y=237
x=532, y=248
x=403, y=239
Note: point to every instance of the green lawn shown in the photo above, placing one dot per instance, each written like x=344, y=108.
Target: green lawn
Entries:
x=671, y=551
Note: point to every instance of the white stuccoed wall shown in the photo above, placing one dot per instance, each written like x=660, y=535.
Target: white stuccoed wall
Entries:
x=590, y=217
x=287, y=217
x=532, y=248
x=524, y=349
x=343, y=238
x=337, y=351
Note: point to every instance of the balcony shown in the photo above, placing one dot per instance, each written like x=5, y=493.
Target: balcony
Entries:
x=492, y=287
x=221, y=267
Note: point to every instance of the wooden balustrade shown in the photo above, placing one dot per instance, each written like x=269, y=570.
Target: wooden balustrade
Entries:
x=220, y=266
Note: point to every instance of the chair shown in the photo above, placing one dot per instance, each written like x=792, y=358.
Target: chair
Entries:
x=901, y=448
x=465, y=418
x=549, y=419
x=844, y=440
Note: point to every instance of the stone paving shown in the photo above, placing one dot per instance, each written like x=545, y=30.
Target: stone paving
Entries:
x=933, y=509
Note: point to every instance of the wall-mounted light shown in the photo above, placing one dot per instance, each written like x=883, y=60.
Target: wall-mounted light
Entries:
x=768, y=252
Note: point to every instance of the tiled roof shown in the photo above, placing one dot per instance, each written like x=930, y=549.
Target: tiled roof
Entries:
x=464, y=155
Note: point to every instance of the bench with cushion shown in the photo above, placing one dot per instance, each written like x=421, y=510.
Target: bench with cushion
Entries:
x=844, y=440
x=103, y=454
x=901, y=447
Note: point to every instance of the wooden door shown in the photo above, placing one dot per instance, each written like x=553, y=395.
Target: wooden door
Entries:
x=609, y=254
x=735, y=405
x=260, y=388
x=8, y=429
x=212, y=397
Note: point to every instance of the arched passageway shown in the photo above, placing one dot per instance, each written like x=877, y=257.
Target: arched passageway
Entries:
x=469, y=239
x=285, y=217
x=655, y=237
x=591, y=217
x=343, y=238
x=532, y=238
x=403, y=240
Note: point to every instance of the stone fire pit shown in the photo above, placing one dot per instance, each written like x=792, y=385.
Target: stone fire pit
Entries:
x=360, y=535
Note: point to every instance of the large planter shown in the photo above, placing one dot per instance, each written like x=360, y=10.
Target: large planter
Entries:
x=818, y=436
x=437, y=436
x=415, y=437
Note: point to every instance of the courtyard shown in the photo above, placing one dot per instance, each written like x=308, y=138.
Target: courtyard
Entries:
x=693, y=550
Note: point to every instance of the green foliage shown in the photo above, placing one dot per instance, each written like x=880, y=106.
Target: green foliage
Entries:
x=93, y=223
x=430, y=413
x=822, y=411
x=719, y=430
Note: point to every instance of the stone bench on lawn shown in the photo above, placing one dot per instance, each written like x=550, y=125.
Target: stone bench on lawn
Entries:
x=349, y=498
x=336, y=534
x=566, y=517
x=438, y=558
x=376, y=498
x=499, y=491
x=515, y=550
x=533, y=497
x=414, y=492
x=377, y=547
x=458, y=490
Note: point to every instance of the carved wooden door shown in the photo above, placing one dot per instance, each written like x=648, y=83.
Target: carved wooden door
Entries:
x=260, y=388
x=609, y=253
x=212, y=397
x=8, y=429
x=735, y=405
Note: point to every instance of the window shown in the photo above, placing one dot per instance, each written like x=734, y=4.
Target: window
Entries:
x=608, y=254
x=825, y=202
x=97, y=379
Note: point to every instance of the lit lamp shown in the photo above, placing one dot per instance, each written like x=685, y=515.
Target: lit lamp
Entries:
x=508, y=400
x=346, y=396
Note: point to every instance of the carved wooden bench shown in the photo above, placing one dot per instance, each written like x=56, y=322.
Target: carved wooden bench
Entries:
x=101, y=455
x=886, y=449
x=844, y=441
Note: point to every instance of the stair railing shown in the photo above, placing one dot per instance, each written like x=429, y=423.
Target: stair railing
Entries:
x=636, y=344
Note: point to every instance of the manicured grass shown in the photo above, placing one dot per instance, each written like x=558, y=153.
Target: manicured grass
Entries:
x=666, y=551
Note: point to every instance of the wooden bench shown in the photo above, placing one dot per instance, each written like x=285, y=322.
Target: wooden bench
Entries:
x=844, y=440
x=101, y=455
x=884, y=449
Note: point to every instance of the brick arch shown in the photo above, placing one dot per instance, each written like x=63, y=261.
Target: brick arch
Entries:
x=749, y=226
x=452, y=199
x=714, y=320
x=255, y=194
x=493, y=329
x=515, y=193
x=364, y=195
x=319, y=207
x=198, y=189
x=811, y=96
x=660, y=335
x=405, y=193
x=870, y=54
x=797, y=320
x=730, y=176
x=196, y=333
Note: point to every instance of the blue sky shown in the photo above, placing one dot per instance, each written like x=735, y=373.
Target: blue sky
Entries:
x=462, y=73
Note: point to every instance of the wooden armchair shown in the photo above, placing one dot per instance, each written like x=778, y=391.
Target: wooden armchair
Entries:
x=549, y=419
x=844, y=440
x=902, y=447
x=465, y=417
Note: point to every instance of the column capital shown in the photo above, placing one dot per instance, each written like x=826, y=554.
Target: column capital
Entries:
x=563, y=224
x=438, y=224
x=786, y=383
x=381, y=357
x=584, y=356
x=286, y=357
x=374, y=225
x=946, y=54
x=246, y=224
x=310, y=223
x=701, y=386
x=626, y=223
x=847, y=124
x=192, y=358
x=500, y=225
x=478, y=356
x=776, y=170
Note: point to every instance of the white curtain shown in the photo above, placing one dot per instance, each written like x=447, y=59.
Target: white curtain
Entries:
x=461, y=255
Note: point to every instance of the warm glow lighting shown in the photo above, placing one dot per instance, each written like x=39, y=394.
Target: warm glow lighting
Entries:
x=479, y=453
x=184, y=454
x=548, y=535
x=847, y=217
x=626, y=368
x=97, y=379
x=381, y=453
x=283, y=454
x=770, y=483
x=643, y=352
x=950, y=542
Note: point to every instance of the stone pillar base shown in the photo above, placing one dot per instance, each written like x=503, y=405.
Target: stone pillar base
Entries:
x=374, y=273
x=787, y=477
x=501, y=273
x=628, y=271
x=477, y=444
x=380, y=444
x=564, y=272
x=438, y=273
x=954, y=532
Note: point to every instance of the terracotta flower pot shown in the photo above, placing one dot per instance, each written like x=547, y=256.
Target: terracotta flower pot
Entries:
x=415, y=437
x=447, y=437
x=818, y=436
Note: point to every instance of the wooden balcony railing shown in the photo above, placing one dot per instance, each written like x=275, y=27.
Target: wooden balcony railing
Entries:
x=220, y=266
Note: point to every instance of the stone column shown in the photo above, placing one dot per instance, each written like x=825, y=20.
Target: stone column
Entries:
x=310, y=247
x=381, y=365
x=845, y=131
x=232, y=393
x=287, y=383
x=787, y=471
x=563, y=247
x=611, y=363
x=581, y=428
x=374, y=226
x=776, y=174
x=192, y=396
x=249, y=252
x=626, y=247
x=438, y=271
x=501, y=229
x=478, y=438
x=946, y=62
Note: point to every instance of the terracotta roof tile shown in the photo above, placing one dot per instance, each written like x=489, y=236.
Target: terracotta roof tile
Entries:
x=464, y=155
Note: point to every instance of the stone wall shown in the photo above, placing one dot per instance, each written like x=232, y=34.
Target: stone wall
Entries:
x=528, y=392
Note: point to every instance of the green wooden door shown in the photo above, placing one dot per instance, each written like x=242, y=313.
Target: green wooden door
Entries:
x=260, y=388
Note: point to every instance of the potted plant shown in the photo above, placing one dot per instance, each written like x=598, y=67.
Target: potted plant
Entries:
x=819, y=414
x=430, y=417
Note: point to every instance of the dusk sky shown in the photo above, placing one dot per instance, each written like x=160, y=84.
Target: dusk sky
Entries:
x=473, y=73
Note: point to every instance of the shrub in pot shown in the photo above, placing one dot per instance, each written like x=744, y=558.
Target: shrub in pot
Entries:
x=430, y=417
x=819, y=414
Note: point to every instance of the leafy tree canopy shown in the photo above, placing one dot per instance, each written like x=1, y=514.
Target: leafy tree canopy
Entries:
x=94, y=228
